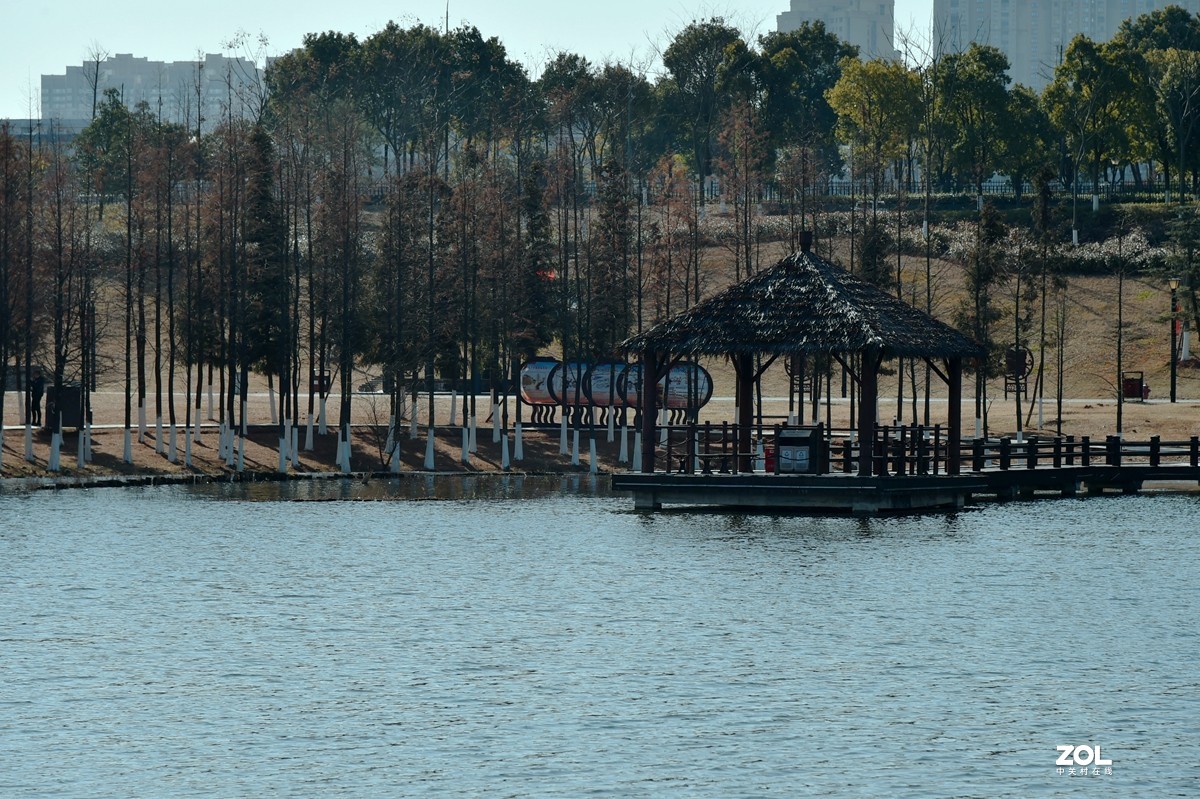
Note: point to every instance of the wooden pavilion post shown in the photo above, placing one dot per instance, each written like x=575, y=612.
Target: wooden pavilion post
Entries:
x=868, y=411
x=954, y=435
x=648, y=407
x=744, y=366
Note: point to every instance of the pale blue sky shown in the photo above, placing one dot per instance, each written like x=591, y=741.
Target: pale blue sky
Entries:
x=46, y=37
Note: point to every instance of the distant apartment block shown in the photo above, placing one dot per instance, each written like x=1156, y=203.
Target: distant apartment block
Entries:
x=869, y=24
x=170, y=89
x=1034, y=33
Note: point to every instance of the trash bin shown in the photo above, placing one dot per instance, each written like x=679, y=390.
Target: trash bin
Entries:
x=320, y=383
x=800, y=450
x=1132, y=385
x=67, y=403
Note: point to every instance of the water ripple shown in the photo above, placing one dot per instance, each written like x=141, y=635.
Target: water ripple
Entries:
x=509, y=640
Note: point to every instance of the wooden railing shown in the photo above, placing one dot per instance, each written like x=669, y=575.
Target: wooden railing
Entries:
x=1056, y=452
x=907, y=450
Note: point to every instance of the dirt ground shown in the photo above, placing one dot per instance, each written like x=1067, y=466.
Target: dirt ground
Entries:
x=541, y=446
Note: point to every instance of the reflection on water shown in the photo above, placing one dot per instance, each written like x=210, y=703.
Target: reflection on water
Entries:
x=414, y=487
x=534, y=637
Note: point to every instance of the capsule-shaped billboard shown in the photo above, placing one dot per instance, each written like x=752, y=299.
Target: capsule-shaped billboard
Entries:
x=687, y=385
x=535, y=381
x=573, y=373
x=600, y=384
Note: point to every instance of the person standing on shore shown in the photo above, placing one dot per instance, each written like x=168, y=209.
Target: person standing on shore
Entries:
x=37, y=389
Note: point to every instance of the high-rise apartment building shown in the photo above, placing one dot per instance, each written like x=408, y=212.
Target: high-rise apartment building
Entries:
x=869, y=24
x=1034, y=33
x=171, y=89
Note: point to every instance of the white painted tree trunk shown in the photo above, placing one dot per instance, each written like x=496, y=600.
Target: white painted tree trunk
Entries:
x=55, y=451
x=322, y=427
x=241, y=454
x=172, y=446
x=623, y=454
x=127, y=455
x=575, y=447
x=637, y=451
x=308, y=434
x=612, y=426
x=518, y=444
x=28, y=441
x=294, y=449
x=593, y=468
x=562, y=434
x=160, y=446
x=283, y=453
x=429, y=459
x=474, y=443
x=505, y=461
x=466, y=445
x=496, y=423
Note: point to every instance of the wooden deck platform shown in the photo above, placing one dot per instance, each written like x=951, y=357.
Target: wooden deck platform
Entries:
x=913, y=478
x=824, y=493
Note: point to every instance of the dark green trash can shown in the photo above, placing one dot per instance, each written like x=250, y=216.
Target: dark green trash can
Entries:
x=801, y=450
x=67, y=403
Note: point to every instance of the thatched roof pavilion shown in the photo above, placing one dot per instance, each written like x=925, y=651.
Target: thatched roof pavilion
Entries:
x=804, y=305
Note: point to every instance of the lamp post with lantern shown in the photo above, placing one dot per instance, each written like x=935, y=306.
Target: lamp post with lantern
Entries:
x=1173, y=283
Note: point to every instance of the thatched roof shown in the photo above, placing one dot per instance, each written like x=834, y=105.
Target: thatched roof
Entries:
x=801, y=305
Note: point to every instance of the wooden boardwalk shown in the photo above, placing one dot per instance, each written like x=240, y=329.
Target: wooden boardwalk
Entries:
x=911, y=470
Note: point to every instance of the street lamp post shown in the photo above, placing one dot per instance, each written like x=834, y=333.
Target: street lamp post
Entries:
x=1173, y=283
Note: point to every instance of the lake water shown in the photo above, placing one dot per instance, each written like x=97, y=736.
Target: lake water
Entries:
x=537, y=638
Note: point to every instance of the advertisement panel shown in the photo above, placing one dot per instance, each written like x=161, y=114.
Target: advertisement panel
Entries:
x=600, y=384
x=574, y=373
x=688, y=385
x=535, y=381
